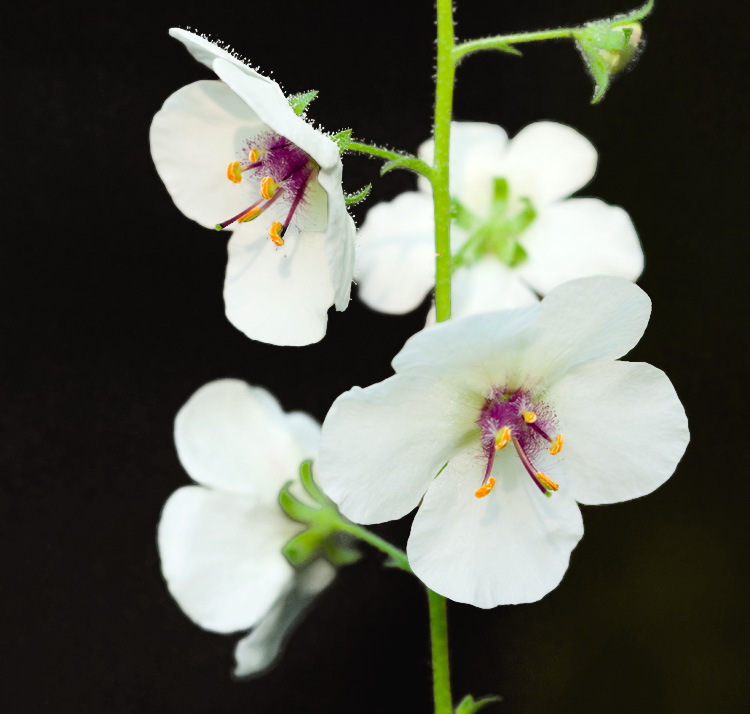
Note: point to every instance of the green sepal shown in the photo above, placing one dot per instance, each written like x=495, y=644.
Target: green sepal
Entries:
x=295, y=509
x=303, y=546
x=468, y=705
x=410, y=163
x=300, y=102
x=463, y=217
x=509, y=49
x=342, y=139
x=359, y=196
x=500, y=194
x=305, y=475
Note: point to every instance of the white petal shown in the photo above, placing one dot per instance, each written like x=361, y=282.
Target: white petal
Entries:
x=487, y=286
x=580, y=237
x=382, y=446
x=221, y=556
x=625, y=430
x=258, y=651
x=547, y=161
x=512, y=546
x=584, y=320
x=268, y=101
x=396, y=254
x=481, y=351
x=236, y=438
x=206, y=51
x=476, y=149
x=278, y=295
x=198, y=131
x=340, y=235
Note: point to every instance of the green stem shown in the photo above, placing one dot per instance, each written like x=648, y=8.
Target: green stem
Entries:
x=446, y=72
x=398, y=557
x=441, y=678
x=407, y=160
x=501, y=42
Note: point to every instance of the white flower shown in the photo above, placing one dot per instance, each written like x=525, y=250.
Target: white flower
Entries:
x=488, y=395
x=516, y=232
x=220, y=542
x=291, y=254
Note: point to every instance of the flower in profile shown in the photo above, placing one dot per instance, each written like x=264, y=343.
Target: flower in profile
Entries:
x=221, y=541
x=495, y=425
x=515, y=232
x=291, y=254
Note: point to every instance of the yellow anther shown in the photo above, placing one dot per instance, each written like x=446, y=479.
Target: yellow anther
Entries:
x=528, y=417
x=255, y=154
x=502, y=438
x=267, y=188
x=556, y=445
x=234, y=172
x=484, y=489
x=245, y=217
x=276, y=234
x=546, y=481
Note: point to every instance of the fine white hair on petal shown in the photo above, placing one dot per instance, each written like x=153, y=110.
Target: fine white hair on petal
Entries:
x=235, y=437
x=625, y=429
x=256, y=652
x=221, y=556
x=513, y=546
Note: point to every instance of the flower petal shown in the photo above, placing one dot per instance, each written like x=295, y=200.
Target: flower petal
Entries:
x=198, y=131
x=583, y=320
x=206, y=51
x=278, y=295
x=268, y=101
x=547, y=161
x=260, y=649
x=340, y=236
x=382, y=446
x=221, y=556
x=476, y=149
x=236, y=438
x=512, y=546
x=580, y=237
x=396, y=254
x=625, y=430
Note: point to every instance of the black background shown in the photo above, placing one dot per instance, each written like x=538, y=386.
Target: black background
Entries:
x=113, y=316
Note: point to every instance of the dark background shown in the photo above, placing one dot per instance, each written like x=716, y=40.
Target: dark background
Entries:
x=113, y=316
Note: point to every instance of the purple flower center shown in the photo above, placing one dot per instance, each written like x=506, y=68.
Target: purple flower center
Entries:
x=516, y=417
x=283, y=171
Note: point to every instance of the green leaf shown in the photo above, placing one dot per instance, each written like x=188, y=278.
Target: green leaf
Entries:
x=342, y=139
x=354, y=198
x=468, y=705
x=300, y=102
x=303, y=546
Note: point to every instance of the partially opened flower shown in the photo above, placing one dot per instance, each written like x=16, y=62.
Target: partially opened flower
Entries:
x=291, y=255
x=516, y=233
x=495, y=425
x=220, y=541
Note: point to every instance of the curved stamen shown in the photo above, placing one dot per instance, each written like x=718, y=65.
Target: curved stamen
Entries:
x=248, y=210
x=538, y=429
x=526, y=461
x=488, y=483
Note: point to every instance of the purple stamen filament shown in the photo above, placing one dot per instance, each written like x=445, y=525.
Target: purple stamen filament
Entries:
x=526, y=461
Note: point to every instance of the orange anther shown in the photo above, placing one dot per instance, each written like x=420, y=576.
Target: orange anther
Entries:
x=546, y=481
x=234, y=172
x=276, y=233
x=245, y=217
x=254, y=155
x=528, y=417
x=267, y=188
x=556, y=445
x=484, y=489
x=502, y=438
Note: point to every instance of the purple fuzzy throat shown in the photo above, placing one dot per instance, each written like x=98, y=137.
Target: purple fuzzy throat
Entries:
x=283, y=172
x=514, y=417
